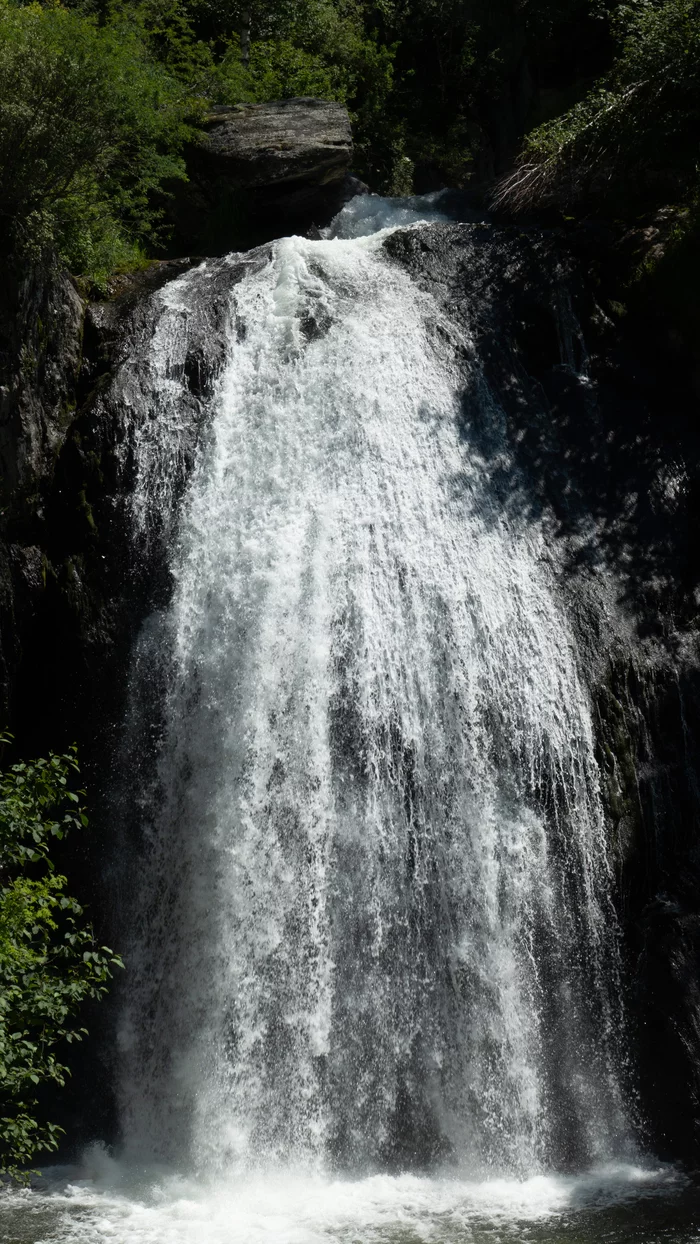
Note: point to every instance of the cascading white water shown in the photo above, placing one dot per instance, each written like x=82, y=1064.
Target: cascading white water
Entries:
x=375, y=927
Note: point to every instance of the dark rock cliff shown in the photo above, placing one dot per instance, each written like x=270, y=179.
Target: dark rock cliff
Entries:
x=606, y=441
x=77, y=584
x=41, y=325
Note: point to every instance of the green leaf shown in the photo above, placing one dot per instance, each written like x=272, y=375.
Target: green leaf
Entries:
x=50, y=964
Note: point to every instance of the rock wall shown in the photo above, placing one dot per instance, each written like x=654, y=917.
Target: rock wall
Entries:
x=75, y=589
x=648, y=711
x=41, y=325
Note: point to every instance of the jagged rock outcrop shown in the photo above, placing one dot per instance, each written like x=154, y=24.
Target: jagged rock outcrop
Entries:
x=290, y=140
x=264, y=170
x=41, y=318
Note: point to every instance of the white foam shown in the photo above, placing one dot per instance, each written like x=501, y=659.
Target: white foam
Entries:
x=375, y=908
x=369, y=214
x=301, y=1210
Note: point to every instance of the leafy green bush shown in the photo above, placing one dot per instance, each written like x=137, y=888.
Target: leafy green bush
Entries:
x=90, y=129
x=97, y=99
x=318, y=48
x=275, y=70
x=50, y=963
x=633, y=138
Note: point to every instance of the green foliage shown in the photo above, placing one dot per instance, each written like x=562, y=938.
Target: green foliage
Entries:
x=457, y=95
x=633, y=138
x=98, y=97
x=275, y=70
x=90, y=128
x=279, y=70
x=50, y=963
x=316, y=48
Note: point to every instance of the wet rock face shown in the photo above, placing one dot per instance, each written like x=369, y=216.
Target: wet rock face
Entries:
x=74, y=583
x=648, y=726
x=41, y=323
x=41, y=318
x=150, y=363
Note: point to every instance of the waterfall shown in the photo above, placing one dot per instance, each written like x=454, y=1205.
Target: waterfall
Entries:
x=372, y=917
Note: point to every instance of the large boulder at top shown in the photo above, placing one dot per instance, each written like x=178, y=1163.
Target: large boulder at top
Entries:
x=289, y=140
x=261, y=171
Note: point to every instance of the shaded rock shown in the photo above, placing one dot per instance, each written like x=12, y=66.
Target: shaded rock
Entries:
x=304, y=139
x=41, y=325
x=649, y=734
x=41, y=321
x=114, y=493
x=107, y=320
x=265, y=171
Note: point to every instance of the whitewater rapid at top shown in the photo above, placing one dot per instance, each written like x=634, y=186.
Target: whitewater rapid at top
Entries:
x=372, y=929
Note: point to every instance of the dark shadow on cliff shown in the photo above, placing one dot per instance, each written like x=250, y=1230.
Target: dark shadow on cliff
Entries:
x=587, y=421
x=602, y=416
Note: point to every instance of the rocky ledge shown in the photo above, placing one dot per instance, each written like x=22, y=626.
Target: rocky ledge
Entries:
x=305, y=139
x=264, y=170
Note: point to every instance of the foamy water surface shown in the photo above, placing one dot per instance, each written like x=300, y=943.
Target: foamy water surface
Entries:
x=102, y=1203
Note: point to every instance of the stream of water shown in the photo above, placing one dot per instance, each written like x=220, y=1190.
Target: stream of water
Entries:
x=374, y=979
